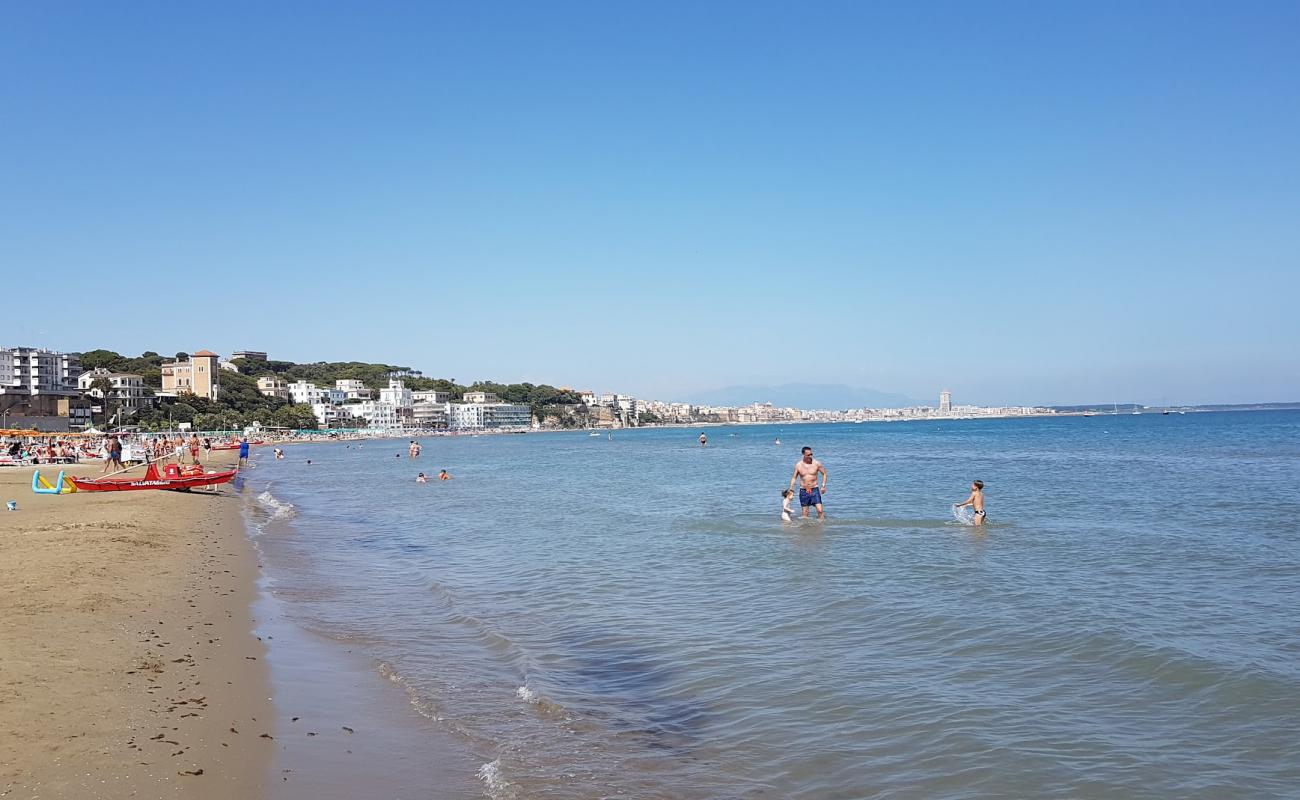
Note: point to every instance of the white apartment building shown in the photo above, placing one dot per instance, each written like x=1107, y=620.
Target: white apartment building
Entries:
x=33, y=371
x=353, y=389
x=127, y=389
x=429, y=416
x=480, y=416
x=330, y=415
x=588, y=398
x=396, y=394
x=306, y=392
x=431, y=397
x=311, y=394
x=481, y=397
x=630, y=407
x=377, y=414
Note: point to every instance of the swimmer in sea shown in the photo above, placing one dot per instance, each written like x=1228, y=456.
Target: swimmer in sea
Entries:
x=704, y=440
x=806, y=470
x=975, y=501
x=443, y=476
x=421, y=478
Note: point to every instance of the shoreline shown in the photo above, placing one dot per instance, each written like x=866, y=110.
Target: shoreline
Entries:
x=344, y=727
x=131, y=664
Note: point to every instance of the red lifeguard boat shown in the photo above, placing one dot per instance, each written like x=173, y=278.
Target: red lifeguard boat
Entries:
x=172, y=477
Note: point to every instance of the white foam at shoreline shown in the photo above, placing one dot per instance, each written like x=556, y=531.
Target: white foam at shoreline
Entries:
x=274, y=506
x=498, y=788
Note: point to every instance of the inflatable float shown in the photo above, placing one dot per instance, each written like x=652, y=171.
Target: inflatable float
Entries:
x=60, y=485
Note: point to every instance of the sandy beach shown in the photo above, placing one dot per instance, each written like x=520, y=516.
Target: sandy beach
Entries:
x=127, y=654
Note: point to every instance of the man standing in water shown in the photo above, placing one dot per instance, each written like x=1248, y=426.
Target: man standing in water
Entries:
x=805, y=472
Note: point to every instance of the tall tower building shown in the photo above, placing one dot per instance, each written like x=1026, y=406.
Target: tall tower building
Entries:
x=945, y=402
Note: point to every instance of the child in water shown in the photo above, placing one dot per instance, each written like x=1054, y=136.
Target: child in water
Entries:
x=787, y=497
x=975, y=501
x=421, y=479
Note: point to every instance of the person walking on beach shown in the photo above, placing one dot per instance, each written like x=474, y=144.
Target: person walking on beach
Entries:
x=113, y=448
x=243, y=452
x=805, y=473
x=194, y=448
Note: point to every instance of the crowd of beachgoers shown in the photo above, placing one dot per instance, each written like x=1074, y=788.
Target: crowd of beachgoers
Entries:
x=29, y=448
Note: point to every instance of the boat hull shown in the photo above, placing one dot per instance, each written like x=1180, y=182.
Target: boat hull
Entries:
x=153, y=482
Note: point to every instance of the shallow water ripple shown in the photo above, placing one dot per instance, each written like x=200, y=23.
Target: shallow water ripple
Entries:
x=628, y=617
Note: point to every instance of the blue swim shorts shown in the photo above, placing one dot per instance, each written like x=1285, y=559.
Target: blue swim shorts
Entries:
x=810, y=497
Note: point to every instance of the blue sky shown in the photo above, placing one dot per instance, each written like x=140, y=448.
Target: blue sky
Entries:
x=1023, y=202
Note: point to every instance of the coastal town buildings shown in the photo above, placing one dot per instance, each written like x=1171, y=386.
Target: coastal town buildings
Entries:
x=630, y=409
x=40, y=386
x=945, y=402
x=127, y=390
x=197, y=376
x=376, y=414
x=306, y=392
x=396, y=394
x=427, y=415
x=272, y=386
x=485, y=411
x=329, y=415
x=252, y=355
x=35, y=371
x=353, y=389
x=309, y=393
x=431, y=397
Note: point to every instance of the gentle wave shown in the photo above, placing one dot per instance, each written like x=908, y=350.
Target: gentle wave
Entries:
x=496, y=786
x=275, y=507
x=645, y=637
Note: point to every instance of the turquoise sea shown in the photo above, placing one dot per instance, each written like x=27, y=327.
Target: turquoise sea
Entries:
x=587, y=617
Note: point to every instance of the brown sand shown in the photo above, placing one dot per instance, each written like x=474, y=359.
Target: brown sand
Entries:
x=128, y=666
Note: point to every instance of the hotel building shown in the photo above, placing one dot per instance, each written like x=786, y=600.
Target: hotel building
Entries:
x=198, y=376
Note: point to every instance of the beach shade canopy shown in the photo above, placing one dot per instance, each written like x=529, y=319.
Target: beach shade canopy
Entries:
x=92, y=432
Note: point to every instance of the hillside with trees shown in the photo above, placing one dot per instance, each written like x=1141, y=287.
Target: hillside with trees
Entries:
x=239, y=403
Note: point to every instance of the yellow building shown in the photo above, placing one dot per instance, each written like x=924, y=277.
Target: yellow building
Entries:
x=198, y=376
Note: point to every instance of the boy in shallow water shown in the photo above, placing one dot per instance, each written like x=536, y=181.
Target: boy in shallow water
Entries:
x=787, y=497
x=975, y=501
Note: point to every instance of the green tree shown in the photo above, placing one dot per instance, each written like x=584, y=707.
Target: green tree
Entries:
x=100, y=359
x=182, y=411
x=296, y=416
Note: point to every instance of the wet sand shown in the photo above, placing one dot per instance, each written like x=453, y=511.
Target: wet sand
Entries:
x=128, y=662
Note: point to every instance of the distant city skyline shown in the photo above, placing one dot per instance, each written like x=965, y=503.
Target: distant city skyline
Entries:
x=1022, y=203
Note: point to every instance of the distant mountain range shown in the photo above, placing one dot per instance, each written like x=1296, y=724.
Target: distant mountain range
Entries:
x=804, y=395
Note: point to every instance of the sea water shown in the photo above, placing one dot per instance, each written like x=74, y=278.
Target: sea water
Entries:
x=629, y=617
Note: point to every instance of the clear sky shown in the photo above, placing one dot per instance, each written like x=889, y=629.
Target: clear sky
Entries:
x=1022, y=202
